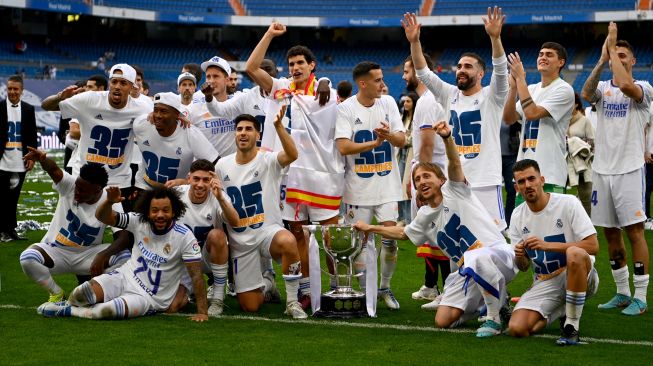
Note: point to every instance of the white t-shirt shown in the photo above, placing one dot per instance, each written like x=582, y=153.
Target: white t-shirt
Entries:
x=475, y=121
x=74, y=225
x=563, y=220
x=544, y=140
x=12, y=158
x=137, y=157
x=219, y=130
x=620, y=142
x=106, y=132
x=200, y=217
x=247, y=102
x=254, y=192
x=371, y=177
x=158, y=261
x=166, y=158
x=459, y=222
x=427, y=113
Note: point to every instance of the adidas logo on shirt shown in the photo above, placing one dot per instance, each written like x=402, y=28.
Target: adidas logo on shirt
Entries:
x=358, y=121
x=525, y=230
x=146, y=143
x=256, y=107
x=226, y=178
x=99, y=116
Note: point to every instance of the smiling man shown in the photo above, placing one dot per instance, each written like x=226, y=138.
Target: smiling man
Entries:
x=544, y=110
x=105, y=122
x=168, y=149
x=473, y=111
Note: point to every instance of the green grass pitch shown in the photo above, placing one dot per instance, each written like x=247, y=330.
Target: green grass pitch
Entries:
x=406, y=336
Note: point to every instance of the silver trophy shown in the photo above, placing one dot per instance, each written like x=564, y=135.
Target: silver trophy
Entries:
x=342, y=244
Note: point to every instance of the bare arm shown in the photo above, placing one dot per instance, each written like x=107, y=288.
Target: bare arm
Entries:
x=228, y=211
x=532, y=111
x=104, y=212
x=412, y=30
x=47, y=164
x=428, y=144
x=622, y=78
x=196, y=276
x=510, y=115
x=455, y=167
x=348, y=147
x=121, y=240
x=289, y=152
x=51, y=103
x=521, y=258
x=589, y=92
x=397, y=138
x=390, y=232
x=258, y=75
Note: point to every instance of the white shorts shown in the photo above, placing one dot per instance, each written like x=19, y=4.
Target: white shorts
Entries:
x=618, y=200
x=246, y=260
x=293, y=212
x=78, y=260
x=384, y=212
x=495, y=265
x=548, y=297
x=492, y=198
x=115, y=285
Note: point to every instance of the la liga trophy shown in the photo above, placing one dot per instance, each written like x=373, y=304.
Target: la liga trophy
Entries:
x=342, y=244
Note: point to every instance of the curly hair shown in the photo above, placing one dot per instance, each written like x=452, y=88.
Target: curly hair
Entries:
x=146, y=197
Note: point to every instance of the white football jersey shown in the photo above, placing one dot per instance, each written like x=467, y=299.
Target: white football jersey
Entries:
x=218, y=129
x=371, y=177
x=247, y=102
x=200, y=217
x=620, y=142
x=12, y=158
x=74, y=225
x=106, y=132
x=475, y=122
x=254, y=192
x=158, y=260
x=427, y=113
x=460, y=222
x=563, y=220
x=166, y=158
x=545, y=140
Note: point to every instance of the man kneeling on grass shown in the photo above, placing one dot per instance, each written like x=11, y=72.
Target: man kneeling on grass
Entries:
x=149, y=280
x=454, y=220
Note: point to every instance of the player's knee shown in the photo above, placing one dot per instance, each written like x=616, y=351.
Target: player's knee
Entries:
x=30, y=257
x=286, y=243
x=518, y=329
x=216, y=240
x=575, y=257
x=250, y=305
x=442, y=321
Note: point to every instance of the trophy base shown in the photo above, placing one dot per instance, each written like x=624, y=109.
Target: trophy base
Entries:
x=352, y=305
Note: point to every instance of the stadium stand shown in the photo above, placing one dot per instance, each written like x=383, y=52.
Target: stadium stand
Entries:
x=206, y=6
x=332, y=8
x=456, y=7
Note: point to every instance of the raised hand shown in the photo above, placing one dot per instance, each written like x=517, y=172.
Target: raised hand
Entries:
x=611, y=40
x=516, y=67
x=207, y=90
x=113, y=194
x=383, y=132
x=605, y=56
x=276, y=29
x=69, y=91
x=279, y=117
x=442, y=128
x=216, y=186
x=411, y=27
x=494, y=22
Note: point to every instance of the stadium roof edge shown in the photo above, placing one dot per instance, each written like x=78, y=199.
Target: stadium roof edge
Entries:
x=263, y=21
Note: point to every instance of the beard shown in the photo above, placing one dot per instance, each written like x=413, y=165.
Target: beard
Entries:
x=411, y=85
x=465, y=85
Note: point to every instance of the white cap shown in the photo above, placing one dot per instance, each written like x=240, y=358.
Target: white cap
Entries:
x=186, y=76
x=219, y=62
x=128, y=73
x=170, y=99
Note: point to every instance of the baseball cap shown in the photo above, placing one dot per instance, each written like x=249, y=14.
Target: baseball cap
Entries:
x=186, y=76
x=170, y=99
x=128, y=72
x=217, y=61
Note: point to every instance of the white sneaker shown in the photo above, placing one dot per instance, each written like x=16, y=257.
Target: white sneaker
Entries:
x=648, y=224
x=209, y=292
x=425, y=293
x=433, y=305
x=216, y=308
x=294, y=309
x=389, y=298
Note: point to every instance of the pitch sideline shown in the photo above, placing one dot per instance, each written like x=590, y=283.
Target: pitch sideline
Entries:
x=400, y=327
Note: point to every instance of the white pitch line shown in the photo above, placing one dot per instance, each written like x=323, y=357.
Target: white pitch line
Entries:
x=411, y=328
